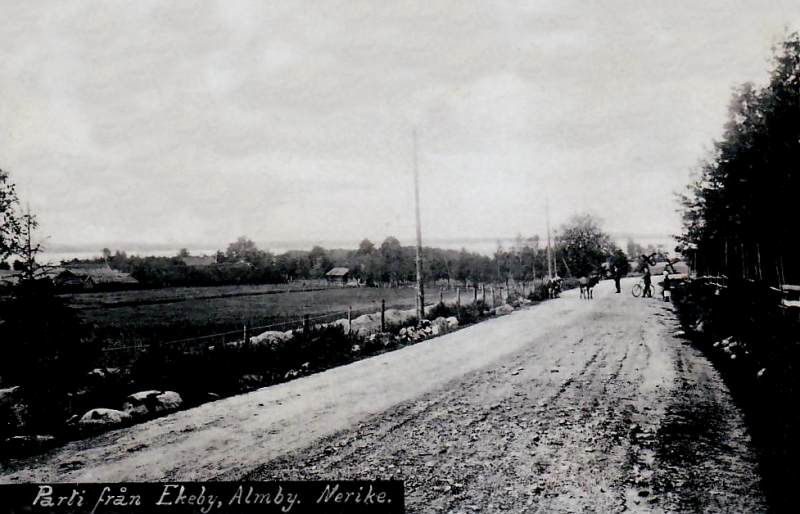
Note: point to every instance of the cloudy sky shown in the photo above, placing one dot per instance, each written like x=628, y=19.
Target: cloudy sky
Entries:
x=191, y=123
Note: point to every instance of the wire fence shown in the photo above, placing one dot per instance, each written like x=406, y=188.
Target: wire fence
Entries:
x=492, y=295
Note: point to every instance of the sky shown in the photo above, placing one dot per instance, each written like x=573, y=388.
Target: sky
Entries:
x=187, y=124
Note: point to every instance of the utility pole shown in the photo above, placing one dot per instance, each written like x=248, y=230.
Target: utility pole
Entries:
x=549, y=258
x=420, y=288
x=30, y=249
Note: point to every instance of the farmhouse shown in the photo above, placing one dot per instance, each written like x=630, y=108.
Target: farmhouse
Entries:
x=91, y=276
x=337, y=275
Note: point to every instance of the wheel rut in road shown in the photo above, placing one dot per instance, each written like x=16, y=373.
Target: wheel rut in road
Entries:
x=578, y=420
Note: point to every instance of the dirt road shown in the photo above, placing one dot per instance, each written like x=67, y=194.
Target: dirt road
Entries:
x=571, y=406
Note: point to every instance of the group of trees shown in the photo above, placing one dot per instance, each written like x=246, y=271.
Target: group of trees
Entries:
x=738, y=215
x=580, y=249
x=16, y=229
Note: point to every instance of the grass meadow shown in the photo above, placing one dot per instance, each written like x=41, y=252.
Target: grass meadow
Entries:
x=145, y=317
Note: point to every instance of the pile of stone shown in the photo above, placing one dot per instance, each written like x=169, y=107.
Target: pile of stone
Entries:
x=271, y=337
x=138, y=406
x=151, y=403
x=428, y=329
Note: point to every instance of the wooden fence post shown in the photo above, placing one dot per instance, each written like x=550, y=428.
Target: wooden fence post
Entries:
x=246, y=335
x=458, y=297
x=441, y=296
x=483, y=291
x=349, y=319
x=475, y=287
x=494, y=301
x=383, y=315
x=306, y=323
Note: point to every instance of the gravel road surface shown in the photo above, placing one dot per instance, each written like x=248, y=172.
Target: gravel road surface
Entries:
x=569, y=406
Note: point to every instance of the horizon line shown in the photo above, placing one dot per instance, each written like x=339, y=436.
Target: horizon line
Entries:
x=302, y=243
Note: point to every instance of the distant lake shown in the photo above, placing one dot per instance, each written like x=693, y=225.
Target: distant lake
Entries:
x=57, y=257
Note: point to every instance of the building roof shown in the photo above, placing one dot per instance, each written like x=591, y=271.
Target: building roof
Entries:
x=337, y=272
x=98, y=273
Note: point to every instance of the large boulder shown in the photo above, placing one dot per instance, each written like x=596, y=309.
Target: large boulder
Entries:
x=452, y=322
x=503, y=309
x=367, y=319
x=103, y=418
x=340, y=323
x=269, y=337
x=439, y=325
x=398, y=317
x=148, y=403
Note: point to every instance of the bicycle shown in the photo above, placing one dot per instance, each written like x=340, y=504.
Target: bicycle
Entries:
x=638, y=289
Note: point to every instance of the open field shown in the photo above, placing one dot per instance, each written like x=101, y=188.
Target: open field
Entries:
x=96, y=300
x=145, y=323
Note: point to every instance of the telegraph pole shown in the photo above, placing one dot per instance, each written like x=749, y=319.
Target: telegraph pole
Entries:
x=549, y=258
x=420, y=288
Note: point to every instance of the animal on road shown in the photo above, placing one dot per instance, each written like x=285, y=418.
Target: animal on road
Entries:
x=553, y=287
x=586, y=285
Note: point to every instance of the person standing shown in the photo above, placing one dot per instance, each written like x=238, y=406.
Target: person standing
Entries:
x=617, y=277
x=647, y=280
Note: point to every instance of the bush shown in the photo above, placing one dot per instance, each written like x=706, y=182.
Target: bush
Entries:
x=441, y=310
x=539, y=294
x=472, y=313
x=46, y=351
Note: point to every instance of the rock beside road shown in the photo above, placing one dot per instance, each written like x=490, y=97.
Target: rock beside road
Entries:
x=149, y=403
x=103, y=418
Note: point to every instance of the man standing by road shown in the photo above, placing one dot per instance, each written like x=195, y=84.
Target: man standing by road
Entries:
x=617, y=277
x=647, y=281
x=647, y=261
x=665, y=284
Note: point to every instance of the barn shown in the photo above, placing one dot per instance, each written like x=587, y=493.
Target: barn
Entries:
x=91, y=276
x=338, y=275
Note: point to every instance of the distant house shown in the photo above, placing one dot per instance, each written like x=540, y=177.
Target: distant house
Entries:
x=199, y=262
x=91, y=276
x=337, y=275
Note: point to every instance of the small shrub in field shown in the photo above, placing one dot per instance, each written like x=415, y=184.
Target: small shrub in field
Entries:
x=441, y=310
x=471, y=313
